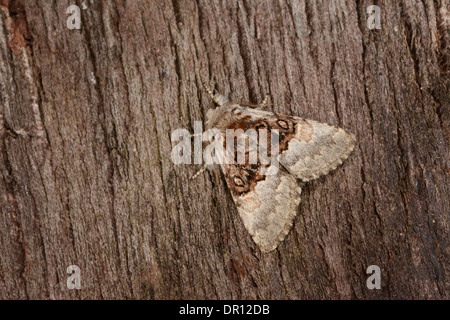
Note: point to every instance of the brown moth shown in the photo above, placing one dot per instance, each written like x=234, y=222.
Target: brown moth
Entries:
x=308, y=149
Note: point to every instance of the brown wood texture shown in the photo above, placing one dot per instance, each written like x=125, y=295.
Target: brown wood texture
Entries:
x=86, y=176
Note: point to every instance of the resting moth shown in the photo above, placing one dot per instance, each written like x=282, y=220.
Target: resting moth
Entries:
x=308, y=149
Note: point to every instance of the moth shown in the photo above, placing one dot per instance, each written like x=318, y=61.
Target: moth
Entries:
x=308, y=149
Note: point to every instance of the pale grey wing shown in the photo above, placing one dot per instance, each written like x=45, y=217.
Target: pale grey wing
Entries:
x=268, y=208
x=315, y=149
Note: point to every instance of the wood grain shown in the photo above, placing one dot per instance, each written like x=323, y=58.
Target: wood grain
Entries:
x=86, y=176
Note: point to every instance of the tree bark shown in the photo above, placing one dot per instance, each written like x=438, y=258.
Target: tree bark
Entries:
x=86, y=176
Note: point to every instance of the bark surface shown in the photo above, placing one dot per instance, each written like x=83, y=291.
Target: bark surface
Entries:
x=86, y=176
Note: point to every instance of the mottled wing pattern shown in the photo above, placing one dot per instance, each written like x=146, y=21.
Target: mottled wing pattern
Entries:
x=269, y=209
x=316, y=149
x=308, y=149
x=267, y=204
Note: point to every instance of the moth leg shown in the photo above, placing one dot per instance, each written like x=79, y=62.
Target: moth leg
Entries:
x=197, y=135
x=216, y=173
x=265, y=99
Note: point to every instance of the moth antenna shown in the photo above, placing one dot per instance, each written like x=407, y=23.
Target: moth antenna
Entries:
x=211, y=94
x=251, y=104
x=248, y=104
x=199, y=172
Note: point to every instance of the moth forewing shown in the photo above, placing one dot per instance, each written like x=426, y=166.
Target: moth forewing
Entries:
x=267, y=196
x=315, y=149
x=269, y=156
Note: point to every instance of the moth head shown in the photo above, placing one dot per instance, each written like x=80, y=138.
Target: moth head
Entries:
x=212, y=115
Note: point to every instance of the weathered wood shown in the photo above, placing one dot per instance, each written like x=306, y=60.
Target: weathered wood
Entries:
x=86, y=176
